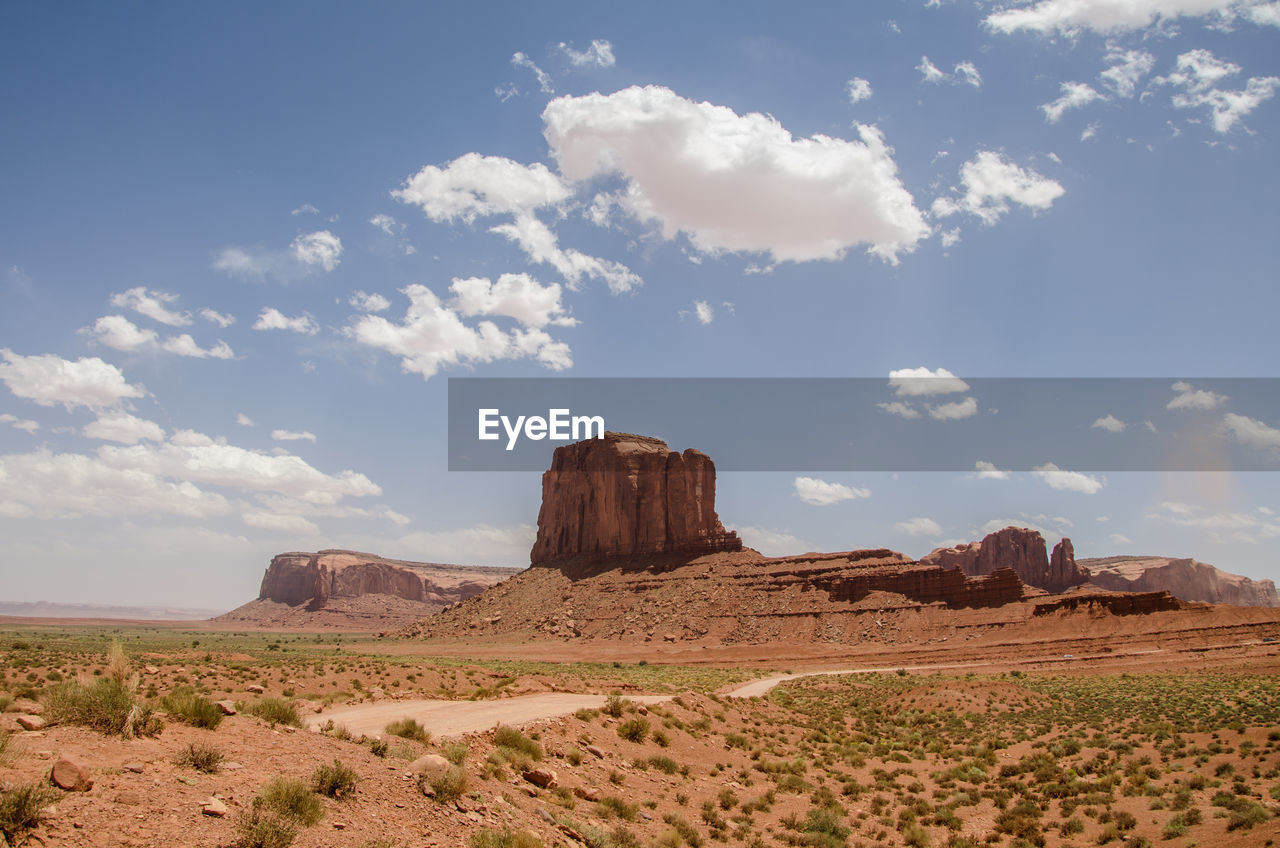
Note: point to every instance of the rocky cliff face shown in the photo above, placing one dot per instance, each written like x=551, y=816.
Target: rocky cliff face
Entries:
x=316, y=578
x=1019, y=549
x=624, y=495
x=1186, y=579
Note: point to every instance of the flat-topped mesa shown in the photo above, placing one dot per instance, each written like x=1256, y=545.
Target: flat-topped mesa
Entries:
x=627, y=494
x=1020, y=549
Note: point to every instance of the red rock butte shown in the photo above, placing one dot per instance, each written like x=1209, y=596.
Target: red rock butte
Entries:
x=624, y=495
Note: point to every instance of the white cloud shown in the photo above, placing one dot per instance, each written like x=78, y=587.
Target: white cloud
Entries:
x=918, y=527
x=124, y=428
x=293, y=436
x=1119, y=539
x=858, y=90
x=1066, y=481
x=481, y=543
x=929, y=72
x=517, y=296
x=25, y=424
x=1074, y=96
x=1070, y=16
x=387, y=224
x=1090, y=131
x=900, y=409
x=916, y=382
x=736, y=182
x=770, y=542
x=1129, y=67
x=215, y=317
x=369, y=302
x=1110, y=423
x=521, y=60
x=991, y=183
x=273, y=319
x=1251, y=432
x=239, y=262
x=505, y=92
x=118, y=332
x=541, y=245
x=1223, y=527
x=243, y=420
x=988, y=471
x=48, y=379
x=473, y=185
x=955, y=410
x=821, y=493
x=598, y=55
x=305, y=209
x=321, y=248
x=1189, y=397
x=1198, y=73
x=950, y=237
x=152, y=305
x=184, y=345
x=280, y=523
x=965, y=72
x=703, y=311
x=434, y=336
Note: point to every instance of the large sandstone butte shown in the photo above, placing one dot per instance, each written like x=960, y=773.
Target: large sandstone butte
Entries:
x=1187, y=579
x=339, y=587
x=1020, y=549
x=624, y=495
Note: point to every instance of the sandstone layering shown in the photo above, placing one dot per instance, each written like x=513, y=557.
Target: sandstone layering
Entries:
x=624, y=495
x=1187, y=579
x=1020, y=549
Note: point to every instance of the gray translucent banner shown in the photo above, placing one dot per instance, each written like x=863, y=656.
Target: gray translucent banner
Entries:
x=864, y=424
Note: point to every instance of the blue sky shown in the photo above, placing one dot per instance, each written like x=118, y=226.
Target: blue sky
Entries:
x=243, y=248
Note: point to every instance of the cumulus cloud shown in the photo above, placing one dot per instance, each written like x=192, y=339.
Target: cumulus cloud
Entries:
x=1074, y=96
x=321, y=248
x=1066, y=481
x=25, y=424
x=522, y=60
x=821, y=493
x=1197, y=75
x=119, y=333
x=541, y=245
x=1127, y=70
x=930, y=72
x=965, y=72
x=517, y=296
x=243, y=420
x=918, y=527
x=598, y=55
x=124, y=428
x=703, y=311
x=955, y=410
x=48, y=379
x=473, y=185
x=366, y=302
x=294, y=524
x=1189, y=397
x=770, y=542
x=1247, y=527
x=1069, y=17
x=184, y=345
x=1109, y=423
x=1119, y=539
x=858, y=90
x=433, y=335
x=991, y=183
x=387, y=224
x=734, y=182
x=916, y=382
x=1251, y=432
x=988, y=471
x=293, y=436
x=273, y=319
x=900, y=409
x=213, y=316
x=152, y=304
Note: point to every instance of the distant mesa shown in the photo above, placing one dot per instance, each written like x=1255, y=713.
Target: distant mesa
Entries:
x=347, y=589
x=625, y=495
x=1020, y=549
x=1187, y=579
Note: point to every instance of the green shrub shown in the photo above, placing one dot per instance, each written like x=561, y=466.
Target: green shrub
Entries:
x=489, y=838
x=509, y=737
x=105, y=705
x=291, y=799
x=201, y=757
x=378, y=747
x=666, y=765
x=408, y=728
x=336, y=781
x=21, y=809
x=634, y=729
x=186, y=705
x=448, y=786
x=275, y=711
x=456, y=753
x=611, y=805
x=259, y=828
x=615, y=705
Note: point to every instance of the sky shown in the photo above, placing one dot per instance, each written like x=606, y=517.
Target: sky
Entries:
x=243, y=247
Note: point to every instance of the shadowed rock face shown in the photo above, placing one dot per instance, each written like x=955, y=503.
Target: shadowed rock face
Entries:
x=1020, y=549
x=313, y=578
x=1187, y=579
x=624, y=495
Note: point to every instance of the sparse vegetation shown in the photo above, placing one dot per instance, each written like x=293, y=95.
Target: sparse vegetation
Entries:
x=408, y=728
x=261, y=828
x=275, y=711
x=291, y=799
x=201, y=757
x=105, y=705
x=22, y=810
x=335, y=781
x=186, y=705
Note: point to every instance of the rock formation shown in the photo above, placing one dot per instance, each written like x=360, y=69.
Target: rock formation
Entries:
x=1019, y=549
x=624, y=495
x=1186, y=579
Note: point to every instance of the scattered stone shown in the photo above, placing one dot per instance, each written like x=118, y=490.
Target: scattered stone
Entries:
x=227, y=707
x=545, y=816
x=594, y=751
x=136, y=768
x=255, y=689
x=71, y=776
x=214, y=807
x=26, y=706
x=542, y=777
x=587, y=793
x=151, y=669
x=129, y=798
x=232, y=765
x=429, y=766
x=31, y=722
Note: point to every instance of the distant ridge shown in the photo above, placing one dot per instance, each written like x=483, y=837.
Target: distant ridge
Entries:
x=47, y=609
